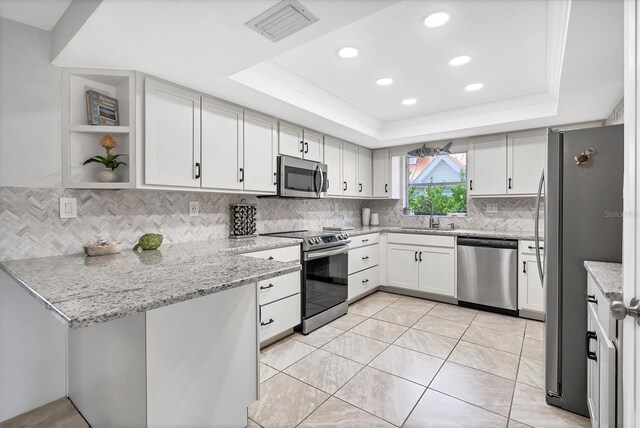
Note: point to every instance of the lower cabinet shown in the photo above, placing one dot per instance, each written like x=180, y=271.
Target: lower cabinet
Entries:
x=361, y=283
x=364, y=270
x=530, y=292
x=424, y=263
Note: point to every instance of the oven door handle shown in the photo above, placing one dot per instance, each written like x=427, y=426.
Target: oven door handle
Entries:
x=312, y=255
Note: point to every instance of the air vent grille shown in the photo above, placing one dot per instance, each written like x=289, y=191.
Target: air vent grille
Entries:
x=282, y=20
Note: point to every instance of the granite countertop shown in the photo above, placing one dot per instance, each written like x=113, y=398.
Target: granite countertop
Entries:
x=81, y=291
x=361, y=230
x=608, y=278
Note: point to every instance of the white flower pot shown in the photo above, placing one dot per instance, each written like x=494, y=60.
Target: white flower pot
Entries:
x=107, y=176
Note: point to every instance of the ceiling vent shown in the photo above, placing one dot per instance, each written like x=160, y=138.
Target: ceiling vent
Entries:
x=282, y=20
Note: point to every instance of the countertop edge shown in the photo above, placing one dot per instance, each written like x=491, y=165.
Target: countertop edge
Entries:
x=607, y=277
x=525, y=236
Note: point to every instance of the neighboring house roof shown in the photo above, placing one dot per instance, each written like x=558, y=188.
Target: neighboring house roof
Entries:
x=440, y=169
x=422, y=163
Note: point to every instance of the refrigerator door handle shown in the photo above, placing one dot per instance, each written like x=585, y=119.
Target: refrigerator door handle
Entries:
x=537, y=228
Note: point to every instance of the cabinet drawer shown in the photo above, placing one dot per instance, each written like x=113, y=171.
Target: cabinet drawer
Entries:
x=363, y=281
x=363, y=258
x=529, y=247
x=279, y=316
x=276, y=288
x=362, y=240
x=286, y=254
x=422, y=240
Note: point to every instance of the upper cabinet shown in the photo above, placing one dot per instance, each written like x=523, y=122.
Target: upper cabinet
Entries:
x=349, y=169
x=333, y=159
x=300, y=143
x=507, y=165
x=364, y=172
x=172, y=136
x=260, y=152
x=381, y=173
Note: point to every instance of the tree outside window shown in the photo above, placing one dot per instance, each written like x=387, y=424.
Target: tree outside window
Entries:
x=442, y=179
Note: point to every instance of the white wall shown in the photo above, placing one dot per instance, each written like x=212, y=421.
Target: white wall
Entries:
x=33, y=351
x=30, y=108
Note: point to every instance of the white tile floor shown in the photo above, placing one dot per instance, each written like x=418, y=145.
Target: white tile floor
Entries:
x=401, y=361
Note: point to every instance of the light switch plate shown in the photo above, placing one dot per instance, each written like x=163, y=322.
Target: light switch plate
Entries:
x=68, y=208
x=492, y=208
x=194, y=208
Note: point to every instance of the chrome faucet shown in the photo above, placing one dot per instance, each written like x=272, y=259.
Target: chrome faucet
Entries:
x=432, y=223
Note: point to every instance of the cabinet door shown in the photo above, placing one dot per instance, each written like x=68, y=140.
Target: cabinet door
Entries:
x=172, y=135
x=593, y=370
x=381, y=173
x=222, y=140
x=349, y=169
x=527, y=156
x=290, y=140
x=530, y=292
x=606, y=383
x=403, y=266
x=364, y=172
x=488, y=166
x=313, y=146
x=437, y=270
x=260, y=152
x=333, y=159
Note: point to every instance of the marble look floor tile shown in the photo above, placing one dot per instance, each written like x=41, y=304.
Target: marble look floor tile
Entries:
x=428, y=343
x=348, y=321
x=475, y=386
x=355, y=347
x=285, y=402
x=503, y=323
x=441, y=326
x=413, y=304
x=490, y=360
x=324, y=370
x=382, y=394
x=285, y=353
x=493, y=339
x=535, y=330
x=266, y=372
x=398, y=316
x=379, y=330
x=453, y=313
x=320, y=336
x=439, y=410
x=529, y=407
x=252, y=424
x=405, y=363
x=531, y=372
x=367, y=306
x=533, y=348
x=385, y=297
x=516, y=424
x=337, y=413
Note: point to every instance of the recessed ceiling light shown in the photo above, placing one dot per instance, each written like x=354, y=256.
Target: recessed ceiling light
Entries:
x=459, y=60
x=385, y=81
x=436, y=19
x=409, y=101
x=348, y=52
x=474, y=87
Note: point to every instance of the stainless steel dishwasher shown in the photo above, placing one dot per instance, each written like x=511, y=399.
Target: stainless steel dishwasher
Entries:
x=487, y=274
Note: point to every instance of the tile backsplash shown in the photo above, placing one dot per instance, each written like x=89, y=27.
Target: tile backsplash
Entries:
x=30, y=225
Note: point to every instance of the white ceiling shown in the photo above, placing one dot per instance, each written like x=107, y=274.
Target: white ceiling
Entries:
x=43, y=14
x=542, y=63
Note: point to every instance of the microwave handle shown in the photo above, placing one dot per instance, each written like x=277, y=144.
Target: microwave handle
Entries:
x=319, y=188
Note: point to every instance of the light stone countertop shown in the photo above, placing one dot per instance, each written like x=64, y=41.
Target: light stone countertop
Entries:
x=361, y=230
x=608, y=278
x=82, y=291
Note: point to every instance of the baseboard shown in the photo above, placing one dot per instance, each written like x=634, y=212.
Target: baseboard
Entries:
x=420, y=294
x=532, y=315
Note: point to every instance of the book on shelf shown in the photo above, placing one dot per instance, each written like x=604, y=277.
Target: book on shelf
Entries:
x=101, y=109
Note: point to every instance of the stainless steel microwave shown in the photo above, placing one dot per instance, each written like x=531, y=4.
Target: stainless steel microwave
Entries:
x=299, y=178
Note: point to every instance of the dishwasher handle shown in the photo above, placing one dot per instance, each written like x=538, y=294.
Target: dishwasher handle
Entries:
x=487, y=242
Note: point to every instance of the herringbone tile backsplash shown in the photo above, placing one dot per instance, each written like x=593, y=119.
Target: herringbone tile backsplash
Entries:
x=30, y=225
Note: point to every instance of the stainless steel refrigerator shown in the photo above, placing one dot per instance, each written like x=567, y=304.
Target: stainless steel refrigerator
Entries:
x=582, y=221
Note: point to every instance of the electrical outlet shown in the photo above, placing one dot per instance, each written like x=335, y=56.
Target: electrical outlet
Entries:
x=336, y=207
x=194, y=208
x=68, y=207
x=492, y=208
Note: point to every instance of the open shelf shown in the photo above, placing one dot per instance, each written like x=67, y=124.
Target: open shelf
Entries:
x=100, y=129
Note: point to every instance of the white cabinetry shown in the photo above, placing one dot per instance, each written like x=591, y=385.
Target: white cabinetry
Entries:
x=425, y=263
x=487, y=167
x=526, y=158
x=349, y=169
x=300, y=143
x=260, y=152
x=172, y=135
x=381, y=173
x=364, y=172
x=601, y=355
x=333, y=159
x=530, y=293
x=313, y=149
x=364, y=272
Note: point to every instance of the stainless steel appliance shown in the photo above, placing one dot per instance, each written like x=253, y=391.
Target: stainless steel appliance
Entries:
x=299, y=178
x=582, y=221
x=325, y=273
x=488, y=274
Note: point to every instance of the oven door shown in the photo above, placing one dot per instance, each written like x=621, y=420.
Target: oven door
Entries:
x=325, y=274
x=301, y=178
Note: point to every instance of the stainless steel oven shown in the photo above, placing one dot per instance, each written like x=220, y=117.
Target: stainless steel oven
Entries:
x=299, y=178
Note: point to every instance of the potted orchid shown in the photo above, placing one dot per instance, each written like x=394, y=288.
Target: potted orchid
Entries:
x=110, y=161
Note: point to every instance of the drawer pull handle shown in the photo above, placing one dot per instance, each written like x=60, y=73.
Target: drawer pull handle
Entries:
x=262, y=287
x=266, y=323
x=365, y=258
x=364, y=281
x=524, y=267
x=270, y=258
x=591, y=298
x=531, y=247
x=365, y=240
x=587, y=341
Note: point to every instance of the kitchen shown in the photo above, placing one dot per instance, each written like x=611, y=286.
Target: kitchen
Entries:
x=328, y=237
